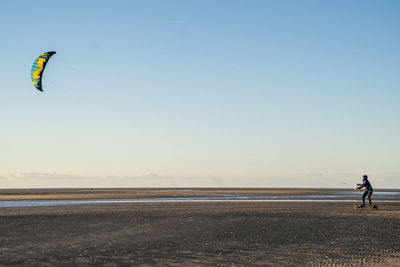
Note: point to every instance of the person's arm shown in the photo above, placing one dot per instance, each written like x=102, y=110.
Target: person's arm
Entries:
x=361, y=185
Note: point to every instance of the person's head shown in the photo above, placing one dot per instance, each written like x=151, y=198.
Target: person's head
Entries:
x=365, y=177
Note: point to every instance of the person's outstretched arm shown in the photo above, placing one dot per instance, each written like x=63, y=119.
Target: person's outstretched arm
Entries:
x=361, y=185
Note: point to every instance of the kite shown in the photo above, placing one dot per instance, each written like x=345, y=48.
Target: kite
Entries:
x=38, y=67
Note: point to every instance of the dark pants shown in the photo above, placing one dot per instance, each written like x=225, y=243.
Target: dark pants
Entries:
x=367, y=193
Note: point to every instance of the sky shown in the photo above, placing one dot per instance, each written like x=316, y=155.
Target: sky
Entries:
x=200, y=93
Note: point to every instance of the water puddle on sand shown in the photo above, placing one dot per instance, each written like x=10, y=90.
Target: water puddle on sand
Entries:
x=341, y=196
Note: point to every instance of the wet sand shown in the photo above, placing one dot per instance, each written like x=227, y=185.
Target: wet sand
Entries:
x=198, y=234
x=118, y=193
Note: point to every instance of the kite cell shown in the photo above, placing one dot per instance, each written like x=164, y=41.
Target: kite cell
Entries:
x=38, y=67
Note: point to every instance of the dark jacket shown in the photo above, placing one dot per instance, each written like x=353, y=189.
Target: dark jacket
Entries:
x=365, y=184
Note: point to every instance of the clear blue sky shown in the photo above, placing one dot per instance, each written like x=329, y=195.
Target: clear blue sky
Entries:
x=200, y=93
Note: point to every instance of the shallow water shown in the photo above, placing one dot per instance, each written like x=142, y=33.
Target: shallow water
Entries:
x=341, y=196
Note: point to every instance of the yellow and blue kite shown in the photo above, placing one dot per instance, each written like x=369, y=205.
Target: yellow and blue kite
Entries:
x=38, y=68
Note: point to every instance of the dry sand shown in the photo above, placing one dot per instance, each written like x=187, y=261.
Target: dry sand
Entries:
x=200, y=234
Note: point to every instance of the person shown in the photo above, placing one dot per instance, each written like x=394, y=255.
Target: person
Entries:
x=368, y=190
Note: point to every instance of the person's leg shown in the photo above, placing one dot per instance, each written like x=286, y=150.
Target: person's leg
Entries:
x=363, y=197
x=369, y=197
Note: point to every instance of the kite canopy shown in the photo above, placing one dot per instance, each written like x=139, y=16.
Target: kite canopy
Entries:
x=38, y=67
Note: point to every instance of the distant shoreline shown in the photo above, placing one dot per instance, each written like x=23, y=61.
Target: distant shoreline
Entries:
x=212, y=193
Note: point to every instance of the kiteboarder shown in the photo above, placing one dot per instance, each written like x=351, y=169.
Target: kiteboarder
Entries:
x=368, y=190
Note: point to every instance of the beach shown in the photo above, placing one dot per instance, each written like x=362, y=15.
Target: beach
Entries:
x=288, y=233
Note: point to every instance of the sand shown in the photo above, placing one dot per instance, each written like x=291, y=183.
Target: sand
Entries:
x=118, y=193
x=199, y=234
